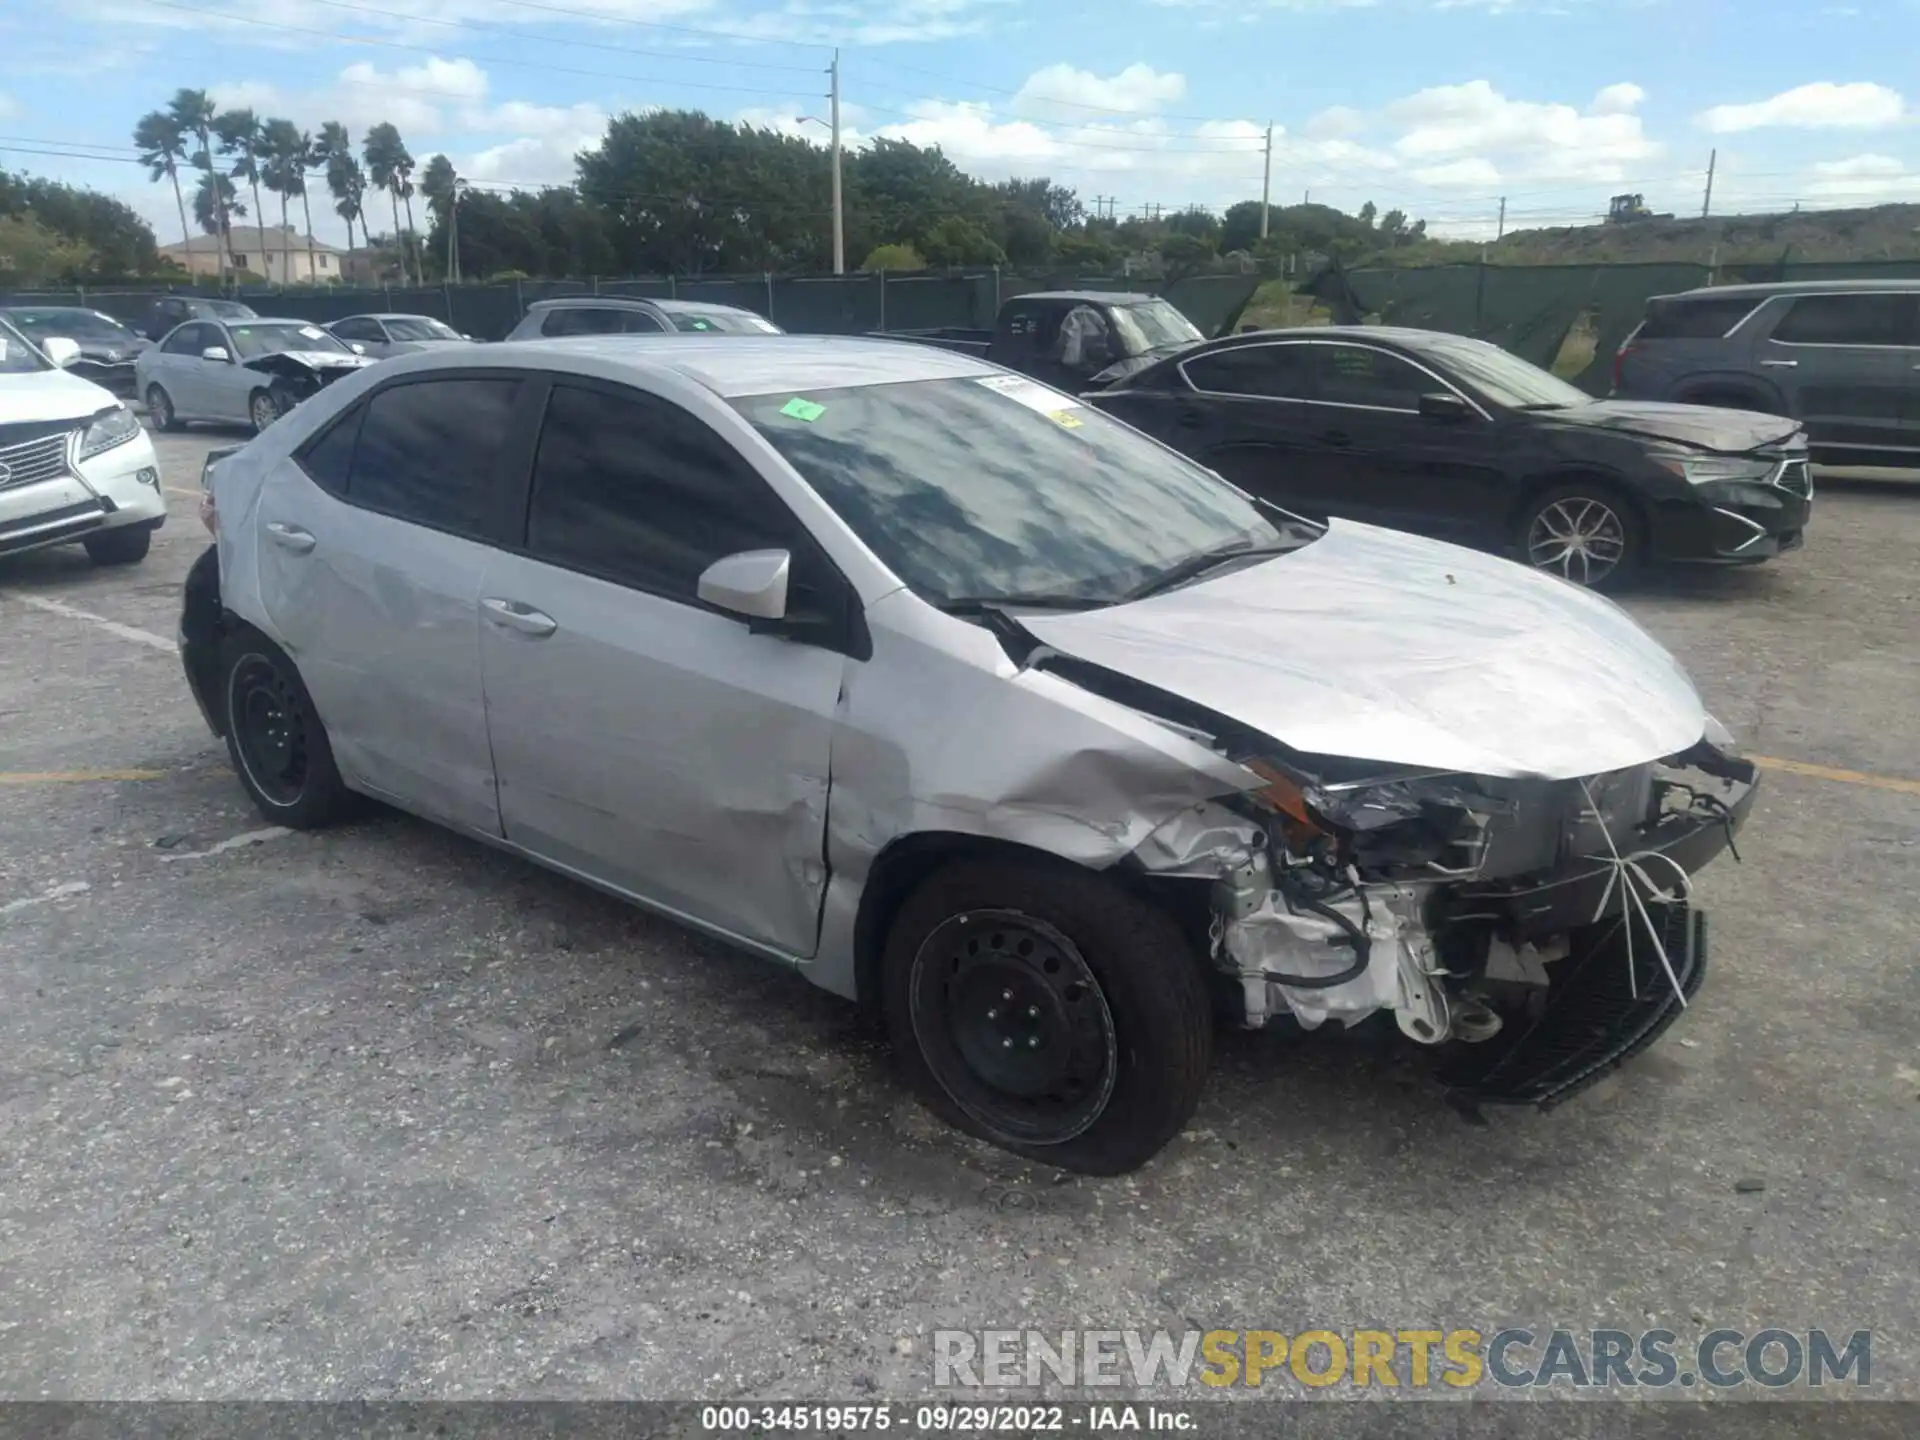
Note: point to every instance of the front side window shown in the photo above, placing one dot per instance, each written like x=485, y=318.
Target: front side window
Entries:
x=1274, y=372
x=17, y=354
x=637, y=491
x=1155, y=325
x=1498, y=375
x=418, y=328
x=997, y=488
x=1847, y=320
x=1357, y=375
x=429, y=451
x=358, y=329
x=192, y=339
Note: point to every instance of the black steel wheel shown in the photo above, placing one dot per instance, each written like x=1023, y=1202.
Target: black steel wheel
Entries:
x=1013, y=1025
x=1048, y=1009
x=276, y=741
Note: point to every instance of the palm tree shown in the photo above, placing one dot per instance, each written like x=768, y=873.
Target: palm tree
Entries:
x=239, y=132
x=216, y=205
x=163, y=146
x=194, y=112
x=441, y=186
x=388, y=166
x=309, y=160
x=283, y=167
x=346, y=181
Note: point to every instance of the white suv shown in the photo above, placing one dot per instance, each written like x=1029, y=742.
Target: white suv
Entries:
x=75, y=464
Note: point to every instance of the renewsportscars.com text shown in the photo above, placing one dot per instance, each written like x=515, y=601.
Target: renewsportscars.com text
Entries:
x=1417, y=1359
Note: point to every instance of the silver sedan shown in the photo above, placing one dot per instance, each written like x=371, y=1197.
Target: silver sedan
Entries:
x=973, y=704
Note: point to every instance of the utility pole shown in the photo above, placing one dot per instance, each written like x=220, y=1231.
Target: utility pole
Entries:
x=1501, y=229
x=839, y=219
x=1266, y=181
x=1706, y=205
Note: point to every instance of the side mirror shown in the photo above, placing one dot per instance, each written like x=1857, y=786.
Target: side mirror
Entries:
x=60, y=350
x=357, y=348
x=1443, y=406
x=217, y=353
x=752, y=583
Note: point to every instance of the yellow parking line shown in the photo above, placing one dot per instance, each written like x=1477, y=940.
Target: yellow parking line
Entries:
x=56, y=777
x=1894, y=783
x=177, y=490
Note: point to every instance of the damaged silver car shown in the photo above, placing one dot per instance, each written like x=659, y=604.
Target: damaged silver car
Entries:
x=974, y=705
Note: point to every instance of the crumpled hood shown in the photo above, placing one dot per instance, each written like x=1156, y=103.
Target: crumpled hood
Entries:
x=50, y=395
x=1376, y=645
x=317, y=359
x=1708, y=427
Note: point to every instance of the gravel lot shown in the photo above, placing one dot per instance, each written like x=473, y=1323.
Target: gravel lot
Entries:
x=381, y=1113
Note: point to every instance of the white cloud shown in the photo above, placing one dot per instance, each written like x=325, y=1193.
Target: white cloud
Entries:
x=1337, y=122
x=9, y=107
x=1136, y=90
x=1535, y=140
x=1822, y=105
x=1473, y=172
x=1862, y=179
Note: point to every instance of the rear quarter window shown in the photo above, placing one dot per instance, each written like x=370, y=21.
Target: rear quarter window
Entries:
x=1705, y=319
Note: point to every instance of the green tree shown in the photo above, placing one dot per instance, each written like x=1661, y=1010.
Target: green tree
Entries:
x=115, y=239
x=959, y=241
x=388, y=166
x=441, y=188
x=1240, y=226
x=902, y=191
x=346, y=181
x=893, y=257
x=216, y=205
x=34, y=254
x=240, y=133
x=194, y=112
x=1367, y=213
x=1185, y=254
x=162, y=144
x=283, y=170
x=1085, y=250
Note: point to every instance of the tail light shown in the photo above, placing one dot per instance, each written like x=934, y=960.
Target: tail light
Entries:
x=1619, y=361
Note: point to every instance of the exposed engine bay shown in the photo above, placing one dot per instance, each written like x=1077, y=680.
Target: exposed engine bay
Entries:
x=1471, y=908
x=298, y=374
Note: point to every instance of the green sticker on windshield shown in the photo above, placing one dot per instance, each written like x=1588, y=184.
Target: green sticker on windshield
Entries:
x=803, y=409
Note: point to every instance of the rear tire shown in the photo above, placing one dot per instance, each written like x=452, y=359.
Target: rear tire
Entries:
x=1046, y=1009
x=1584, y=531
x=160, y=410
x=275, y=739
x=125, y=546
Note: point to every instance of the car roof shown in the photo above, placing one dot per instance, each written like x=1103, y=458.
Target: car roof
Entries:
x=1392, y=334
x=731, y=366
x=1109, y=297
x=1795, y=287
x=386, y=315
x=57, y=310
x=634, y=302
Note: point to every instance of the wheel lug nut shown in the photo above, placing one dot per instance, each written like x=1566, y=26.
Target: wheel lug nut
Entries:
x=1033, y=1012
x=1033, y=1042
x=1006, y=994
x=1006, y=1044
x=993, y=1014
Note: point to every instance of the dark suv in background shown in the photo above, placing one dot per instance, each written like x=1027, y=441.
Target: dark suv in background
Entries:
x=1840, y=356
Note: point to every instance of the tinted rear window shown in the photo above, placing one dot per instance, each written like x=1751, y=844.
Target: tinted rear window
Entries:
x=1872, y=319
x=1707, y=319
x=428, y=452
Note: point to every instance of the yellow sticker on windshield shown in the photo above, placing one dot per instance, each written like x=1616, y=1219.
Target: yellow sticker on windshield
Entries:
x=1064, y=419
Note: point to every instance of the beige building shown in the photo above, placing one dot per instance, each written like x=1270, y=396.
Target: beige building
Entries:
x=264, y=254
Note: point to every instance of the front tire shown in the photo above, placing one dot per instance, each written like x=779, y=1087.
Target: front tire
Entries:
x=1048, y=1010
x=275, y=739
x=1584, y=531
x=262, y=410
x=125, y=546
x=160, y=410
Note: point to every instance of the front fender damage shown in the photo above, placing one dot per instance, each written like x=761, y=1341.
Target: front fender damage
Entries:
x=1537, y=931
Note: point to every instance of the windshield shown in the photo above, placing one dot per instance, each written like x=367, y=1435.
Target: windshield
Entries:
x=73, y=324
x=1502, y=378
x=17, y=356
x=419, y=327
x=1153, y=326
x=253, y=341
x=725, y=322
x=996, y=487
x=224, y=309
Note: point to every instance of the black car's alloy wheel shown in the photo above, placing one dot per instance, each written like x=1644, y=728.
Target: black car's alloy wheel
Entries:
x=1014, y=1026
x=1587, y=536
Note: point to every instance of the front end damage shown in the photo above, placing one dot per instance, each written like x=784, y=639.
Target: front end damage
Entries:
x=1536, y=933
x=300, y=374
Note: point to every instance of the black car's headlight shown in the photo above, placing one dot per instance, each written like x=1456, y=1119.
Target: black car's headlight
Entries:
x=1707, y=469
x=108, y=429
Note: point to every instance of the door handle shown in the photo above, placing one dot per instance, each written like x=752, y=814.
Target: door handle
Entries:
x=1790, y=364
x=290, y=537
x=1337, y=438
x=1191, y=420
x=512, y=615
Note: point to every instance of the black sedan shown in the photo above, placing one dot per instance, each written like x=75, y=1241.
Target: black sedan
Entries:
x=1456, y=438
x=107, y=348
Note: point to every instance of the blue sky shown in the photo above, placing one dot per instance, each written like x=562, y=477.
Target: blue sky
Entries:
x=1437, y=107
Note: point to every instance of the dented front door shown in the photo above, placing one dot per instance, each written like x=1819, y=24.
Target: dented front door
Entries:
x=661, y=748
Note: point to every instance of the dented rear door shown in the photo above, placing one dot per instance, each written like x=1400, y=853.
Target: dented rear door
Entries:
x=641, y=738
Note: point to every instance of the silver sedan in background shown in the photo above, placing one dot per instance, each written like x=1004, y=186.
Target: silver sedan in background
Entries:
x=974, y=704
x=384, y=336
